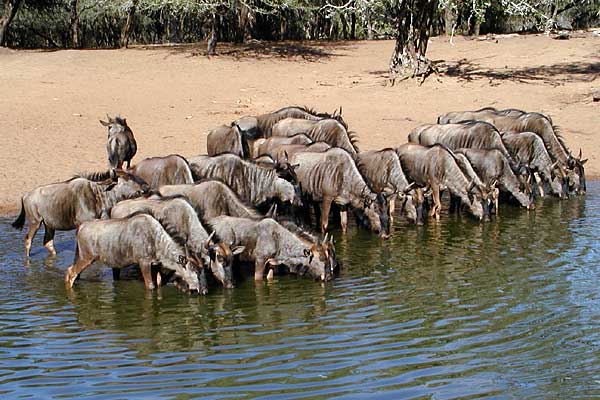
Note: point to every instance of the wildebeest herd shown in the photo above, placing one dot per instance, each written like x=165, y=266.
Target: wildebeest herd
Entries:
x=247, y=206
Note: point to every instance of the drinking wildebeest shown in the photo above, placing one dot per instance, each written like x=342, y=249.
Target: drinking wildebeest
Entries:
x=467, y=134
x=436, y=167
x=540, y=124
x=260, y=126
x=260, y=186
x=179, y=214
x=383, y=172
x=66, y=205
x=227, y=139
x=121, y=145
x=266, y=145
x=492, y=165
x=139, y=240
x=159, y=171
x=528, y=148
x=332, y=176
x=267, y=243
x=212, y=198
x=328, y=130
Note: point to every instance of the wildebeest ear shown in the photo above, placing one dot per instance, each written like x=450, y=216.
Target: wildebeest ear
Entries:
x=307, y=252
x=583, y=161
x=237, y=250
x=104, y=123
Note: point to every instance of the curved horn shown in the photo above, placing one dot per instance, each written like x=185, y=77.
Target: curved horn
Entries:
x=325, y=238
x=579, y=154
x=409, y=188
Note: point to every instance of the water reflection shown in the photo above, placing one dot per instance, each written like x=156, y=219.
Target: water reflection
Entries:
x=452, y=309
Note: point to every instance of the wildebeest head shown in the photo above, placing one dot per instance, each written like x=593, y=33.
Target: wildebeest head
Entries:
x=286, y=192
x=477, y=198
x=221, y=261
x=408, y=203
x=192, y=276
x=576, y=174
x=526, y=179
x=320, y=262
x=559, y=180
x=126, y=185
x=115, y=125
x=374, y=214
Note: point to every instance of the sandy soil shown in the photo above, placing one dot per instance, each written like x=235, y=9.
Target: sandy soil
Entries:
x=172, y=95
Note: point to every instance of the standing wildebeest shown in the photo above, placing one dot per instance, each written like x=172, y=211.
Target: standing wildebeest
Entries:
x=493, y=166
x=227, y=139
x=210, y=199
x=137, y=240
x=252, y=183
x=66, y=205
x=528, y=148
x=436, y=167
x=159, y=171
x=266, y=145
x=267, y=243
x=332, y=176
x=468, y=134
x=540, y=124
x=327, y=130
x=383, y=172
x=261, y=125
x=121, y=145
x=179, y=214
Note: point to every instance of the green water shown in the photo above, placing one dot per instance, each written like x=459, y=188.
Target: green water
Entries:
x=457, y=309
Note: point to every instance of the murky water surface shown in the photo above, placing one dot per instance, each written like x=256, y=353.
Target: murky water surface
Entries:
x=508, y=309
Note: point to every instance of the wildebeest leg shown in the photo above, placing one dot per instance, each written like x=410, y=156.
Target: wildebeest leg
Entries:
x=259, y=269
x=344, y=219
x=391, y=209
x=33, y=228
x=317, y=210
x=437, y=203
x=325, y=208
x=49, y=240
x=128, y=164
x=74, y=270
x=116, y=273
x=146, y=269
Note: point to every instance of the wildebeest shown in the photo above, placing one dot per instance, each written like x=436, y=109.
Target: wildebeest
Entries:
x=66, y=205
x=492, y=166
x=159, y=171
x=260, y=126
x=332, y=177
x=212, y=198
x=528, y=148
x=121, y=146
x=468, y=134
x=139, y=240
x=227, y=139
x=520, y=121
x=267, y=243
x=179, y=214
x=327, y=130
x=383, y=172
x=252, y=183
x=267, y=145
x=436, y=167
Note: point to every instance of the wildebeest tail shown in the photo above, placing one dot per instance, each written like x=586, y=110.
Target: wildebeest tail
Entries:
x=20, y=221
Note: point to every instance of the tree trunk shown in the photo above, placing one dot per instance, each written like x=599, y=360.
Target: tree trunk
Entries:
x=414, y=19
x=476, y=27
x=10, y=10
x=344, y=26
x=211, y=45
x=448, y=19
x=74, y=24
x=127, y=27
x=353, y=26
x=370, y=35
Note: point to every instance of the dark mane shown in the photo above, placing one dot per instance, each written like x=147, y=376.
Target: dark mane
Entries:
x=561, y=139
x=353, y=140
x=120, y=121
x=97, y=176
x=297, y=230
x=169, y=228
